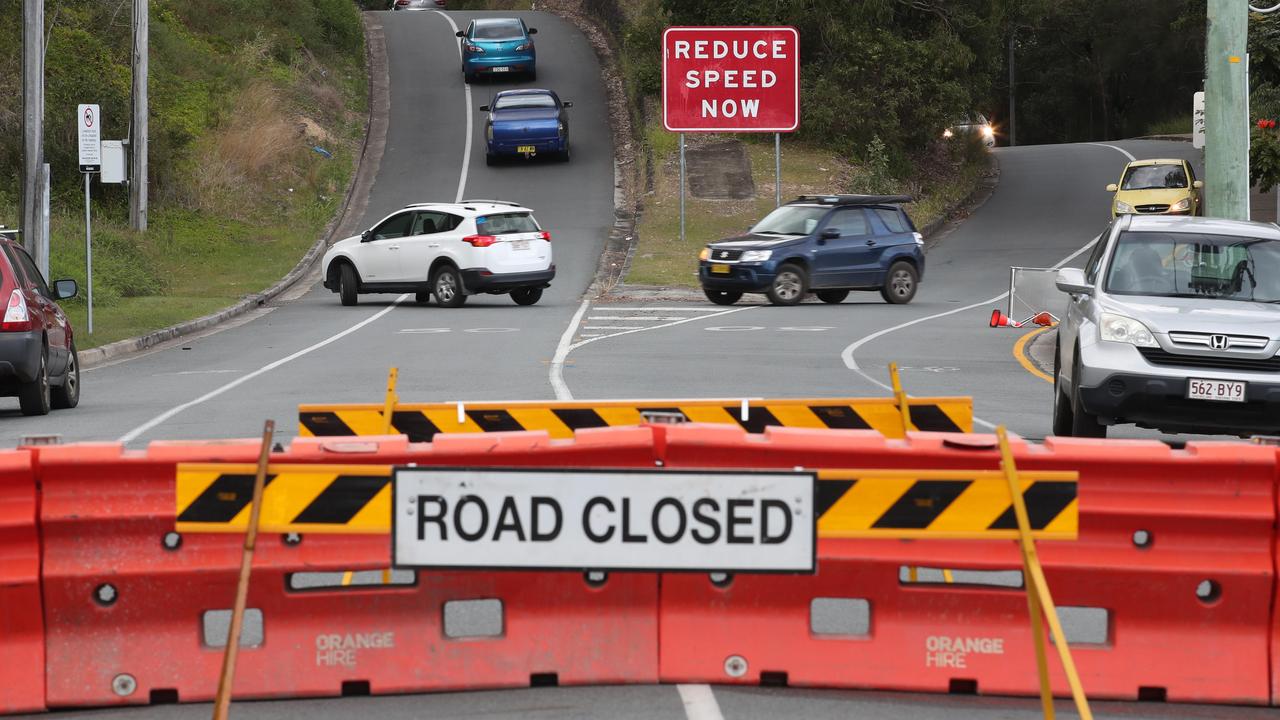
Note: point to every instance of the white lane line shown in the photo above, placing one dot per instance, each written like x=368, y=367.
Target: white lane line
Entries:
x=613, y=327
x=852, y=364
x=1120, y=150
x=651, y=318
x=466, y=146
x=166, y=415
x=660, y=308
x=562, y=351
x=699, y=702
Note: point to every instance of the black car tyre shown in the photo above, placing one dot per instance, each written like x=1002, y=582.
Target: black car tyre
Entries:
x=490, y=159
x=422, y=298
x=526, y=296
x=563, y=155
x=33, y=396
x=347, y=284
x=788, y=286
x=447, y=287
x=533, y=75
x=833, y=297
x=900, y=283
x=722, y=297
x=1083, y=424
x=1062, y=415
x=468, y=77
x=67, y=395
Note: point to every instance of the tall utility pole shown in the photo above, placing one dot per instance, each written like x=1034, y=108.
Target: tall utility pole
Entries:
x=138, y=127
x=1226, y=111
x=32, y=124
x=1013, y=91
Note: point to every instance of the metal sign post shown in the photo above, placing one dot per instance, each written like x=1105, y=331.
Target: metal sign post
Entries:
x=89, y=137
x=681, y=188
x=777, y=169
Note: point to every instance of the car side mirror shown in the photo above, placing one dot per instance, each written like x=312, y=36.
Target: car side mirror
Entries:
x=64, y=289
x=461, y=33
x=568, y=103
x=1113, y=187
x=829, y=234
x=366, y=236
x=1071, y=280
x=484, y=108
x=1197, y=184
x=533, y=31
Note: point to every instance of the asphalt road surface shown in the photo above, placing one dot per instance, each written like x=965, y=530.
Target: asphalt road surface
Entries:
x=1047, y=207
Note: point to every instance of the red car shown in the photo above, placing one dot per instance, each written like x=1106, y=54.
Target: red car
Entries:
x=38, y=360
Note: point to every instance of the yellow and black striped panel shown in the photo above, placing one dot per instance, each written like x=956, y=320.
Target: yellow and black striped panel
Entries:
x=215, y=497
x=943, y=504
x=421, y=422
x=962, y=504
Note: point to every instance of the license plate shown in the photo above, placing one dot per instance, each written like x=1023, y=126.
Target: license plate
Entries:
x=1222, y=390
x=519, y=244
x=527, y=149
x=503, y=68
x=720, y=269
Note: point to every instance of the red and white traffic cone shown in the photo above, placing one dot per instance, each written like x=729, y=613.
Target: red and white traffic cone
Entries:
x=999, y=319
x=1045, y=319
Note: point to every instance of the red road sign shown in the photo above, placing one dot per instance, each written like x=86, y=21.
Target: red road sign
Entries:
x=731, y=79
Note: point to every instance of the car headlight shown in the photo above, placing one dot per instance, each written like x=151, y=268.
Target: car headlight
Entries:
x=1118, y=328
x=1182, y=205
x=1123, y=207
x=947, y=133
x=704, y=254
x=987, y=131
x=488, y=133
x=756, y=255
x=918, y=238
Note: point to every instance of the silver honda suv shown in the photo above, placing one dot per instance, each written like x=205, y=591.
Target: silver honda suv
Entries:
x=1173, y=324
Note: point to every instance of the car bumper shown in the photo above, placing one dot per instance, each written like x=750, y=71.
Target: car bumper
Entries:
x=19, y=356
x=482, y=280
x=539, y=145
x=741, y=278
x=513, y=63
x=1119, y=385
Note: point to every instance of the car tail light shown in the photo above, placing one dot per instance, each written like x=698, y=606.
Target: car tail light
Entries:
x=545, y=235
x=16, y=317
x=474, y=48
x=524, y=46
x=480, y=240
x=402, y=2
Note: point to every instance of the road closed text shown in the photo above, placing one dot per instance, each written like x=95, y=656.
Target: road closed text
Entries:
x=604, y=520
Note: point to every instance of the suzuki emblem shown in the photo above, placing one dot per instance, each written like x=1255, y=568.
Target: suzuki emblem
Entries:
x=1219, y=342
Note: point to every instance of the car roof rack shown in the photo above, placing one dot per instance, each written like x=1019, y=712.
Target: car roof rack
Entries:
x=491, y=202
x=855, y=199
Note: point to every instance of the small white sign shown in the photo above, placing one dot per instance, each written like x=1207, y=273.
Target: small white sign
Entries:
x=1197, y=120
x=112, y=162
x=604, y=520
x=89, y=124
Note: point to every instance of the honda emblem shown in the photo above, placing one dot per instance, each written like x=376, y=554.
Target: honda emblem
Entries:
x=1219, y=342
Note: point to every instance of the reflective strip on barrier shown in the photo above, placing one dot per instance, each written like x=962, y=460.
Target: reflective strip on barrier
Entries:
x=421, y=422
x=21, y=618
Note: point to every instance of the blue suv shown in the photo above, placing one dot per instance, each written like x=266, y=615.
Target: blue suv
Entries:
x=824, y=244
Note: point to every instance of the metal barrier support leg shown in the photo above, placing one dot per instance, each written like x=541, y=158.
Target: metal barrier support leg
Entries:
x=1038, y=597
x=901, y=396
x=389, y=407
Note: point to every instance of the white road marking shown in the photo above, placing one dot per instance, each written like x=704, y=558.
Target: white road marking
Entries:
x=852, y=364
x=166, y=415
x=734, y=328
x=699, y=702
x=424, y=331
x=805, y=328
x=466, y=146
x=199, y=372
x=659, y=308
x=653, y=318
x=1120, y=150
x=491, y=330
x=613, y=327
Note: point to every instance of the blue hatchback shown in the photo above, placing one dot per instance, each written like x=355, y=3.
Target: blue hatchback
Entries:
x=526, y=123
x=827, y=245
x=498, y=46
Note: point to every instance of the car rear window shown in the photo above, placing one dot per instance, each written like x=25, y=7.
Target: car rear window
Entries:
x=498, y=30
x=506, y=223
x=892, y=220
x=511, y=102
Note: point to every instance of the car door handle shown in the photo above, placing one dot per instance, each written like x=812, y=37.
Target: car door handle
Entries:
x=393, y=247
x=434, y=245
x=871, y=242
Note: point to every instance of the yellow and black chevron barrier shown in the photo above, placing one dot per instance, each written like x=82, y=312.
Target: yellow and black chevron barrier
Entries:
x=421, y=422
x=849, y=503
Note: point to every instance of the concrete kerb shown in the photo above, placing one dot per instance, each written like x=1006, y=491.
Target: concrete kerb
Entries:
x=375, y=58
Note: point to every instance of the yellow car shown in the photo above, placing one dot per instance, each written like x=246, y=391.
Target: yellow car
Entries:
x=1157, y=187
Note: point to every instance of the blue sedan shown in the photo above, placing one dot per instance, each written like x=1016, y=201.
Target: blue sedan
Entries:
x=498, y=46
x=526, y=123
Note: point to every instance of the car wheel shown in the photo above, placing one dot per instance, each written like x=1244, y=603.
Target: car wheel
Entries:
x=67, y=395
x=722, y=297
x=468, y=78
x=533, y=75
x=788, y=286
x=833, y=297
x=422, y=298
x=490, y=159
x=1062, y=416
x=563, y=155
x=900, y=283
x=526, y=296
x=347, y=284
x=33, y=396
x=447, y=287
x=1083, y=424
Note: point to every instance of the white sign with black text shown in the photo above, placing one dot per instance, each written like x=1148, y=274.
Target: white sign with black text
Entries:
x=604, y=520
x=89, y=137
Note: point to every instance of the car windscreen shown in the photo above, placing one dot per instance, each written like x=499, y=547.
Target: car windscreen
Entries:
x=506, y=223
x=1223, y=267
x=1154, y=177
x=500, y=30
x=515, y=102
x=791, y=220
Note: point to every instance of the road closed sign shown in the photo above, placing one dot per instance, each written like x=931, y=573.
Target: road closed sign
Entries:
x=731, y=79
x=604, y=520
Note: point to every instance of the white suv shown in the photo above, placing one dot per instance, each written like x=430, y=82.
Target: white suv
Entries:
x=449, y=250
